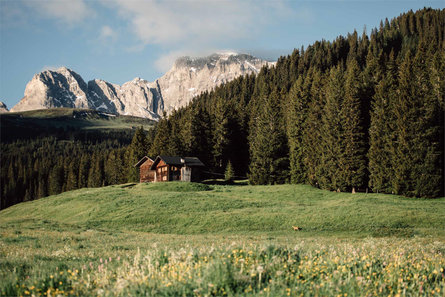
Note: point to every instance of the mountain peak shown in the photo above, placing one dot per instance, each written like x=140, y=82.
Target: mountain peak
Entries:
x=189, y=77
x=3, y=107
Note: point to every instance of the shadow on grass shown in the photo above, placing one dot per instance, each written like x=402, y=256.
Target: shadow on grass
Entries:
x=221, y=182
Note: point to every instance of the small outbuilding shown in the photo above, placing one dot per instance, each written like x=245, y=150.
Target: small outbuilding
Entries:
x=171, y=168
x=146, y=174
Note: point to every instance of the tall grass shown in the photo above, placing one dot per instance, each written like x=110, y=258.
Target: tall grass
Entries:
x=185, y=239
x=370, y=268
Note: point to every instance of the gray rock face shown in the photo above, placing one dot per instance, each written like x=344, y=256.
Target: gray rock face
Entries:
x=191, y=76
x=50, y=89
x=3, y=107
x=188, y=77
x=137, y=98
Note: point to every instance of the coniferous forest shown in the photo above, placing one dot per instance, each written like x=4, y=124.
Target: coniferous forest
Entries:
x=38, y=167
x=360, y=113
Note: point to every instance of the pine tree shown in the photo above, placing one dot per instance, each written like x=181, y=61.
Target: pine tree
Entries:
x=136, y=151
x=84, y=169
x=417, y=128
x=221, y=134
x=114, y=168
x=352, y=159
x=269, y=162
x=175, y=145
x=161, y=141
x=196, y=134
x=96, y=176
x=332, y=145
x=229, y=173
x=312, y=138
x=55, y=179
x=381, y=131
x=73, y=176
x=297, y=105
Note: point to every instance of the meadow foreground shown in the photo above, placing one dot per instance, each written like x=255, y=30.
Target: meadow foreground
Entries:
x=181, y=239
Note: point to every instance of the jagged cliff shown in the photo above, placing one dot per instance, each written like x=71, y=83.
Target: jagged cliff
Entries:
x=191, y=76
x=187, y=78
x=3, y=107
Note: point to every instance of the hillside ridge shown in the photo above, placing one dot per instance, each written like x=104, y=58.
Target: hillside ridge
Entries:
x=191, y=208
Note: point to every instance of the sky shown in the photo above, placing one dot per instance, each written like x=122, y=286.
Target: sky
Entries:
x=118, y=40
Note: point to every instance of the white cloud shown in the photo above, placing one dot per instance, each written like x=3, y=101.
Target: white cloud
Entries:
x=169, y=22
x=50, y=67
x=107, y=34
x=196, y=26
x=165, y=62
x=67, y=11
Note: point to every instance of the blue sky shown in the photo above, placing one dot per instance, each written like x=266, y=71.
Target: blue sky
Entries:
x=118, y=40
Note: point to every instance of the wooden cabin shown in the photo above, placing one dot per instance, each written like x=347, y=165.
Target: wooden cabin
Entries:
x=171, y=168
x=146, y=174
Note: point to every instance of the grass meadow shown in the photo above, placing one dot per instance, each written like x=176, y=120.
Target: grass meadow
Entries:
x=186, y=239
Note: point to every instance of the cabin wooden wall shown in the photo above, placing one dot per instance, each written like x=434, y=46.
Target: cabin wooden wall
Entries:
x=165, y=172
x=162, y=172
x=146, y=175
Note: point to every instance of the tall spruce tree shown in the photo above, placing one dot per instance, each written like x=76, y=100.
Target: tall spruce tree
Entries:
x=196, y=134
x=55, y=179
x=221, y=134
x=137, y=149
x=329, y=169
x=72, y=176
x=296, y=114
x=161, y=141
x=312, y=137
x=269, y=162
x=417, y=128
x=84, y=169
x=353, y=156
x=96, y=174
x=381, y=132
x=428, y=176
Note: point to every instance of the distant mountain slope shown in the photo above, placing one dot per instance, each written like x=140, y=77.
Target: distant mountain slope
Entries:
x=30, y=124
x=188, y=77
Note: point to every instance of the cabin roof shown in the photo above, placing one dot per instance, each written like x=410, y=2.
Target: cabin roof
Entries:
x=178, y=161
x=144, y=158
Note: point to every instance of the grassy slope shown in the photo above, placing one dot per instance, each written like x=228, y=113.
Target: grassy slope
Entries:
x=69, y=117
x=191, y=229
x=183, y=208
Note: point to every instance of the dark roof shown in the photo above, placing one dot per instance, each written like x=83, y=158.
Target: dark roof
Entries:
x=141, y=161
x=178, y=161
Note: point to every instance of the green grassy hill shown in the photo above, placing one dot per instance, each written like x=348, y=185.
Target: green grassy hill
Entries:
x=186, y=239
x=188, y=208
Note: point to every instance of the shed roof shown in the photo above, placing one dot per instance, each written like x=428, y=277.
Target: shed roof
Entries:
x=178, y=161
x=141, y=161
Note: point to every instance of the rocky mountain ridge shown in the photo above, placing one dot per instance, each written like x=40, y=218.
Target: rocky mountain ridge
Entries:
x=187, y=78
x=3, y=107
